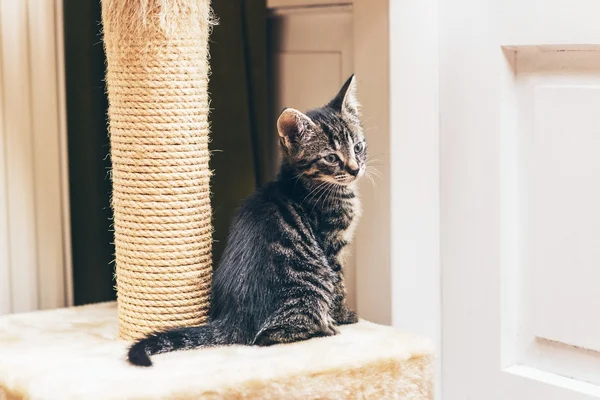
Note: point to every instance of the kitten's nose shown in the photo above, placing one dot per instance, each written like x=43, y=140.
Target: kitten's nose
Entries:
x=352, y=167
x=353, y=171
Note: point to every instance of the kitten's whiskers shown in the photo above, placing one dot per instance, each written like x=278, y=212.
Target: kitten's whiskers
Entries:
x=370, y=178
x=374, y=161
x=372, y=172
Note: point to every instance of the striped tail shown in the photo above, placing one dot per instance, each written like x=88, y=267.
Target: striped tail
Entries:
x=175, y=339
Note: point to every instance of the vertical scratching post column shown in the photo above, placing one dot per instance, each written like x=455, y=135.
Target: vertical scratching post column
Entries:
x=157, y=80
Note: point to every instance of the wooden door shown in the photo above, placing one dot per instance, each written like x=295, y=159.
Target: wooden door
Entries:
x=520, y=199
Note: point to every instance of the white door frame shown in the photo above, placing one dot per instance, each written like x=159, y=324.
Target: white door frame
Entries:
x=396, y=50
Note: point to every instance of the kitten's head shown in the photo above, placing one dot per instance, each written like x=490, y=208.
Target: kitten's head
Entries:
x=326, y=144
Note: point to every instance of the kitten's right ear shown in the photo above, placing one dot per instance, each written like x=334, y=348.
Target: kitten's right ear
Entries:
x=345, y=100
x=294, y=125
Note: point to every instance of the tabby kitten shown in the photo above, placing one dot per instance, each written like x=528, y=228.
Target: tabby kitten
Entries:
x=280, y=279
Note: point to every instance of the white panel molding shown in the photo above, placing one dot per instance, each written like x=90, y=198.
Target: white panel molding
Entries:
x=497, y=146
x=548, y=239
x=33, y=133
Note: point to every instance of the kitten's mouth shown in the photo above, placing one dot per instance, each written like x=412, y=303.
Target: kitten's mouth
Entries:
x=346, y=179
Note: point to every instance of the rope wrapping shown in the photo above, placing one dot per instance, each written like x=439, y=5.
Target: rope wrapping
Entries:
x=157, y=81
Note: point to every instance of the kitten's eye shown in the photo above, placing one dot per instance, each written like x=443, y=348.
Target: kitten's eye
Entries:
x=359, y=147
x=331, y=158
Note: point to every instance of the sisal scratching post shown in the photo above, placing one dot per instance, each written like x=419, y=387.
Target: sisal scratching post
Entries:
x=157, y=79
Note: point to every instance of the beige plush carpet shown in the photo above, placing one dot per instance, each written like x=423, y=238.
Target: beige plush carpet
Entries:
x=74, y=354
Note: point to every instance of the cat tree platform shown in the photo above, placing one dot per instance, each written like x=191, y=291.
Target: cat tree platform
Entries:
x=74, y=353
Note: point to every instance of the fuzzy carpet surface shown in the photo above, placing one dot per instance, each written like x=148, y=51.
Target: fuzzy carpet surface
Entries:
x=74, y=353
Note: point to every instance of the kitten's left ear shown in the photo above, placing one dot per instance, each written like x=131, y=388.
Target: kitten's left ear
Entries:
x=293, y=125
x=345, y=100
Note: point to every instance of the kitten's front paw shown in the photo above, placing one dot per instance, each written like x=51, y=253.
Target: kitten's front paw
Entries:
x=290, y=334
x=348, y=317
x=331, y=330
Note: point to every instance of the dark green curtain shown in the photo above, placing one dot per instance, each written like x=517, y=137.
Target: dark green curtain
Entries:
x=241, y=158
x=88, y=144
x=238, y=88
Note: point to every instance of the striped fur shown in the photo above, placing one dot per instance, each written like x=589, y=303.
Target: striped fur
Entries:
x=281, y=278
